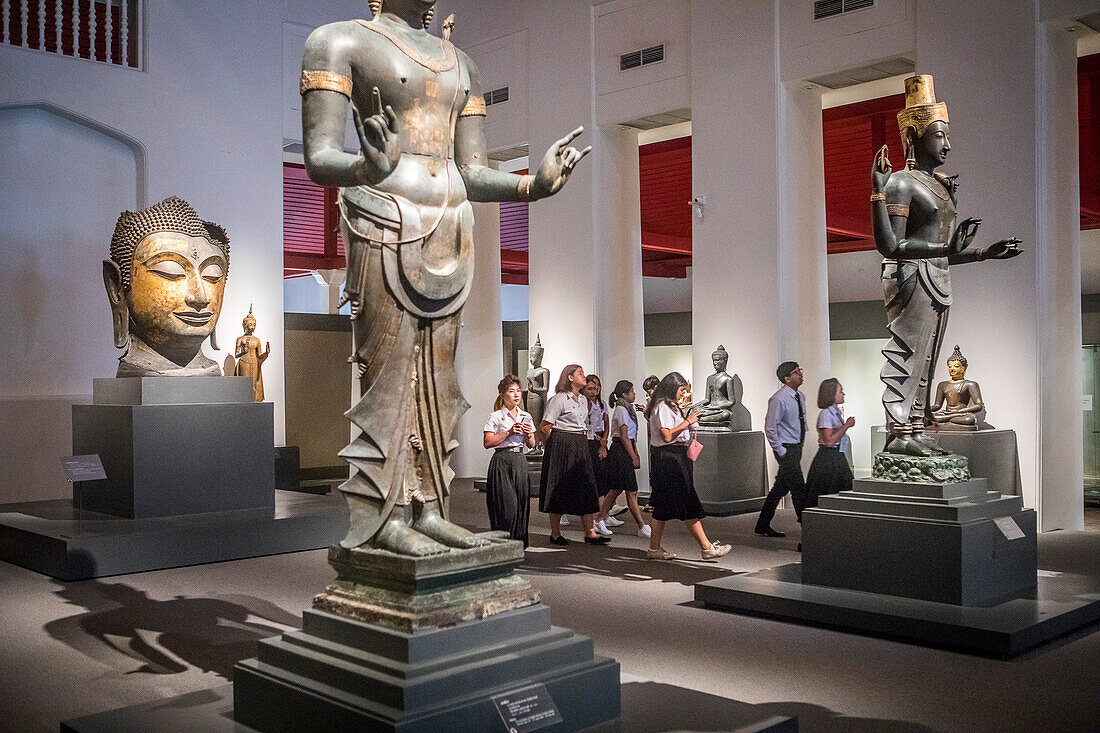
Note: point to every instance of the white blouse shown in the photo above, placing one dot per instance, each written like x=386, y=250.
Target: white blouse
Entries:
x=620, y=416
x=566, y=411
x=831, y=418
x=665, y=417
x=502, y=421
x=595, y=420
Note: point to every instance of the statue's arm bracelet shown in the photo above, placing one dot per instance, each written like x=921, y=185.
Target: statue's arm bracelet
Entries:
x=475, y=107
x=878, y=197
x=329, y=80
x=523, y=188
x=897, y=209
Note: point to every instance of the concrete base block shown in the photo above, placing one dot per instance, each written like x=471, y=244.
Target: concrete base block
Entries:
x=731, y=472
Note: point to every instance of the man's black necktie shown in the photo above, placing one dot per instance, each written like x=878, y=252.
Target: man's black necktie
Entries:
x=801, y=419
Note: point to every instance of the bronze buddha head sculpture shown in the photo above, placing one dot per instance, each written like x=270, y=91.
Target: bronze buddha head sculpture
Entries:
x=165, y=281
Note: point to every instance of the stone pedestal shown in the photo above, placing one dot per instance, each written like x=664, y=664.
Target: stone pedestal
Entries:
x=176, y=445
x=433, y=640
x=731, y=472
x=956, y=543
x=992, y=454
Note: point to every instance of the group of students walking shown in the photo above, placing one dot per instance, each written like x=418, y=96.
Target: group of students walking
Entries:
x=591, y=456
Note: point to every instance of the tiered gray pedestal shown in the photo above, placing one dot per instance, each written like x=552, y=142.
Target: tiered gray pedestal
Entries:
x=950, y=564
x=423, y=644
x=190, y=464
x=731, y=472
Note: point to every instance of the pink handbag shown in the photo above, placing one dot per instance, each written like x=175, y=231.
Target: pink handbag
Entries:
x=694, y=449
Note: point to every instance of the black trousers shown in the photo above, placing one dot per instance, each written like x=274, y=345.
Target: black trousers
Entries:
x=788, y=480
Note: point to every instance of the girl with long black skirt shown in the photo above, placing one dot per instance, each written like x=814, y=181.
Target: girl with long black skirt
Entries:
x=622, y=458
x=568, y=481
x=830, y=472
x=597, y=425
x=673, y=487
x=507, y=490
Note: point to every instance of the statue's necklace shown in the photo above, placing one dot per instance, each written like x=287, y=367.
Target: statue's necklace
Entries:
x=431, y=63
x=921, y=180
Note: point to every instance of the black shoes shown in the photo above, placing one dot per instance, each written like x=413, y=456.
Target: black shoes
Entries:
x=769, y=532
x=595, y=540
x=559, y=540
x=800, y=547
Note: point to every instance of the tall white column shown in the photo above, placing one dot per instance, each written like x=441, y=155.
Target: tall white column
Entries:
x=479, y=360
x=735, y=145
x=620, y=343
x=1013, y=143
x=803, y=270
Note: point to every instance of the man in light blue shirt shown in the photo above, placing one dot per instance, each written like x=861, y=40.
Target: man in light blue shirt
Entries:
x=785, y=428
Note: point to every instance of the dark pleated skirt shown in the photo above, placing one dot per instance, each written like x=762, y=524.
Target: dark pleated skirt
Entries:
x=619, y=469
x=673, y=488
x=829, y=473
x=568, y=481
x=507, y=494
x=599, y=467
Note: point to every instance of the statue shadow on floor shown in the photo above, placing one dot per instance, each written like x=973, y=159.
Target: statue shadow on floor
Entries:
x=654, y=706
x=627, y=563
x=132, y=633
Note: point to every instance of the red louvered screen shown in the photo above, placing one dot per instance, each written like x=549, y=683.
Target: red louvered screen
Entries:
x=664, y=170
x=311, y=238
x=851, y=135
x=514, y=241
x=1088, y=115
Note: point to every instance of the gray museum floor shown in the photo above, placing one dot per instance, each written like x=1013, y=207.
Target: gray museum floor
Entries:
x=73, y=649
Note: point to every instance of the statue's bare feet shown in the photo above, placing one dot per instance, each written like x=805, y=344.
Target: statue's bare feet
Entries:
x=904, y=445
x=398, y=537
x=431, y=523
x=927, y=442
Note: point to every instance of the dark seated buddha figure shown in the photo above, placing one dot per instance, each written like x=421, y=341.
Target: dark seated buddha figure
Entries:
x=165, y=280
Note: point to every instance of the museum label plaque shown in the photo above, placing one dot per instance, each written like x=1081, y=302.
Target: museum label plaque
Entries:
x=83, y=468
x=529, y=708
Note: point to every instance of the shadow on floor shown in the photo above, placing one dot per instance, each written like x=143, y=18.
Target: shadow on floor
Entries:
x=130, y=632
x=652, y=706
x=627, y=563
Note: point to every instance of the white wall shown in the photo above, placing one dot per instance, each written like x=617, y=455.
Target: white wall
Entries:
x=667, y=294
x=513, y=302
x=207, y=111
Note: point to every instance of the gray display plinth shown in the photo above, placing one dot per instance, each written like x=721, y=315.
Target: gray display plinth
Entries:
x=731, y=472
x=176, y=445
x=344, y=675
x=992, y=454
x=950, y=543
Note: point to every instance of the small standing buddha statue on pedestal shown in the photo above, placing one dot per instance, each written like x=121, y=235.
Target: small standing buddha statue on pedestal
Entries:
x=250, y=359
x=958, y=404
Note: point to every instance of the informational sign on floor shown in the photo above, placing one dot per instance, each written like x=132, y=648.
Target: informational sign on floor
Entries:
x=83, y=468
x=527, y=709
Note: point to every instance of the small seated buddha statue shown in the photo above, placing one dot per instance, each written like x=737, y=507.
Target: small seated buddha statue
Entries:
x=958, y=404
x=716, y=407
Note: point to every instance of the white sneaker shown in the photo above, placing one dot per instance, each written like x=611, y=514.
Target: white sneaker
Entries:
x=564, y=521
x=612, y=522
x=645, y=531
x=601, y=529
x=659, y=554
x=715, y=550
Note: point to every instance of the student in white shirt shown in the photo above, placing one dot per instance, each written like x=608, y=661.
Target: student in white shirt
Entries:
x=507, y=490
x=674, y=494
x=598, y=427
x=568, y=481
x=622, y=458
x=830, y=472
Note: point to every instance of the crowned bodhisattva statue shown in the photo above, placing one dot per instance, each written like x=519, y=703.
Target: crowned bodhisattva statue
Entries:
x=250, y=360
x=913, y=214
x=165, y=281
x=406, y=216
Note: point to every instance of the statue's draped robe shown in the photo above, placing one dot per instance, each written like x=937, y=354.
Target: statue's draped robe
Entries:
x=918, y=299
x=411, y=288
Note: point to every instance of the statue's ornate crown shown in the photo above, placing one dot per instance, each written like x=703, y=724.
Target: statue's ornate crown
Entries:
x=921, y=107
